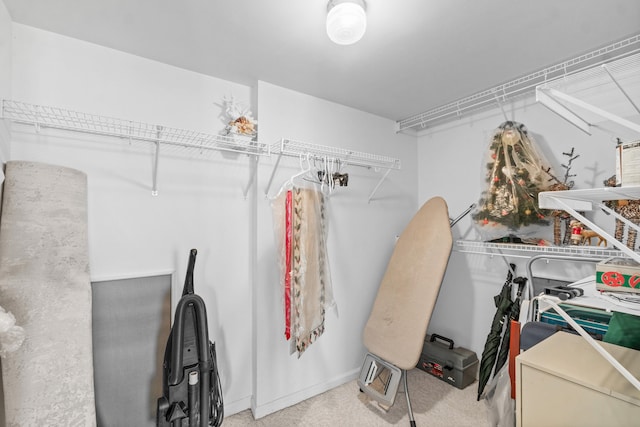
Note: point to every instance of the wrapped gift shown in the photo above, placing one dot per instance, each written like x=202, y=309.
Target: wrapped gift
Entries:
x=618, y=275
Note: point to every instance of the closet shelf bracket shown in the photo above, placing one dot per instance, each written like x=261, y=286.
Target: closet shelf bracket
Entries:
x=375, y=189
x=154, y=189
x=549, y=98
x=558, y=95
x=254, y=168
x=273, y=173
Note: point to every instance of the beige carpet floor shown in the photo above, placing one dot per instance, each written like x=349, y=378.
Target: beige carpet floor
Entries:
x=434, y=402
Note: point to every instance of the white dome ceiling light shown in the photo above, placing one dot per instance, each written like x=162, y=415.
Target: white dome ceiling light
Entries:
x=346, y=21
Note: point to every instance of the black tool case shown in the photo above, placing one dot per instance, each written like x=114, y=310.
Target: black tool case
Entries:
x=454, y=365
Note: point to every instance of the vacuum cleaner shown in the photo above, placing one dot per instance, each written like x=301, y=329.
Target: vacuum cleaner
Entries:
x=192, y=396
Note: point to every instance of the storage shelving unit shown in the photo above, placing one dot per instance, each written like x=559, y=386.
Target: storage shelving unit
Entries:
x=571, y=201
x=189, y=141
x=293, y=148
x=574, y=201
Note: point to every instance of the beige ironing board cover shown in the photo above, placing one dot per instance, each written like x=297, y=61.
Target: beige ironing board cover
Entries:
x=407, y=295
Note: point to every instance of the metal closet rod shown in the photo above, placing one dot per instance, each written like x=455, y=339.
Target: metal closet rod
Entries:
x=520, y=86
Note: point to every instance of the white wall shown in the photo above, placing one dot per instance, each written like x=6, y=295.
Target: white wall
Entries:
x=361, y=238
x=200, y=202
x=5, y=77
x=5, y=92
x=451, y=163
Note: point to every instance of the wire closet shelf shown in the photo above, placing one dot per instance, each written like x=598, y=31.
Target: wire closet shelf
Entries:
x=293, y=148
x=59, y=118
x=489, y=248
x=341, y=156
x=519, y=87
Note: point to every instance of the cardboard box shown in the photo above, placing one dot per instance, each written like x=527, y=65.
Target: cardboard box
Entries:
x=618, y=275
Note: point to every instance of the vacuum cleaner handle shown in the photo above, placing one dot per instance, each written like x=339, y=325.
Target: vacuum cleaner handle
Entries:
x=188, y=281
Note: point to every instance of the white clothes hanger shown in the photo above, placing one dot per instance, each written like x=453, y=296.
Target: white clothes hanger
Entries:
x=305, y=166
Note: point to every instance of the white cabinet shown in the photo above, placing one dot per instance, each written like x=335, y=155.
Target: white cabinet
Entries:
x=563, y=381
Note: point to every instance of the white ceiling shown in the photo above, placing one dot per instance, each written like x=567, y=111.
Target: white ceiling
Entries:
x=415, y=55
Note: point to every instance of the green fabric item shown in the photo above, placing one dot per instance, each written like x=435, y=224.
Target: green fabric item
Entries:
x=624, y=330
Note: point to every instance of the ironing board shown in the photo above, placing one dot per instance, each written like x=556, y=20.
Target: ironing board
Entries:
x=407, y=295
x=402, y=309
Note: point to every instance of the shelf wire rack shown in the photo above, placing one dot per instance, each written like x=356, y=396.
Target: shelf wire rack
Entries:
x=293, y=148
x=59, y=118
x=490, y=248
x=519, y=87
x=41, y=116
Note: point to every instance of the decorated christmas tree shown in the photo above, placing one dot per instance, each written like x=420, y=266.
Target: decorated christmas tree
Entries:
x=515, y=174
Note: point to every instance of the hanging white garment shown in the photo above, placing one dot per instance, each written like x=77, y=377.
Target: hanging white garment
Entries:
x=301, y=231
